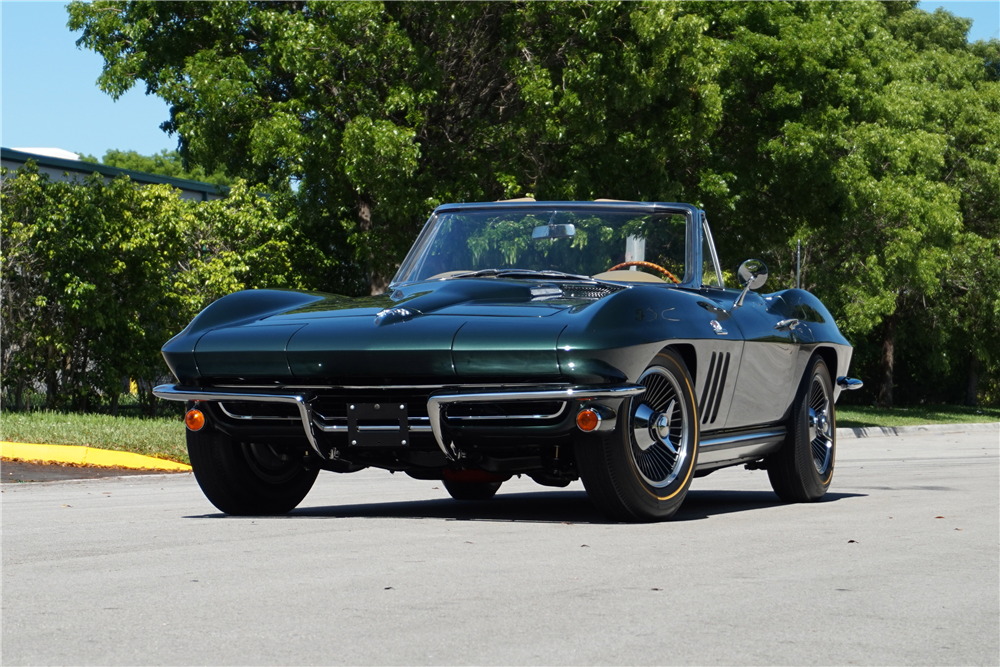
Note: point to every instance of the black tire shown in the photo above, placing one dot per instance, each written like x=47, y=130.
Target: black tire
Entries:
x=248, y=479
x=472, y=490
x=802, y=469
x=642, y=470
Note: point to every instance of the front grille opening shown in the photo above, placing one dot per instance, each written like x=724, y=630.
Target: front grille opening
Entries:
x=255, y=410
x=511, y=410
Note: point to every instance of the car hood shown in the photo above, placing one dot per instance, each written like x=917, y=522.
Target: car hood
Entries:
x=471, y=296
x=459, y=328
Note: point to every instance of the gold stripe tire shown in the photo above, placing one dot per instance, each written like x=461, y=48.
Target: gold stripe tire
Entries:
x=801, y=471
x=642, y=470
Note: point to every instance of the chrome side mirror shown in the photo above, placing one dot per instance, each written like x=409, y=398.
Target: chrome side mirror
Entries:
x=752, y=274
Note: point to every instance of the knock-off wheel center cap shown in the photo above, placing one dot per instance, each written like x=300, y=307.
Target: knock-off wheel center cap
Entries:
x=818, y=424
x=650, y=427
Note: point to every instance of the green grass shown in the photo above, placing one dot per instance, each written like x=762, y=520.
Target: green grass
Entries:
x=854, y=416
x=160, y=438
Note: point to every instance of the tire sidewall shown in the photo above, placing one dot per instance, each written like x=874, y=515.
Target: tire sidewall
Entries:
x=815, y=484
x=230, y=483
x=645, y=501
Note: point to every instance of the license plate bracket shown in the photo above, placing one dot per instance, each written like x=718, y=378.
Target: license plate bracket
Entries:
x=383, y=424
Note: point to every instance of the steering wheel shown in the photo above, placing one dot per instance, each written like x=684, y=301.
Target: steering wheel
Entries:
x=648, y=265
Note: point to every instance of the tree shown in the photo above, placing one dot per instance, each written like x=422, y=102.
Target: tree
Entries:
x=864, y=128
x=164, y=163
x=97, y=276
x=83, y=283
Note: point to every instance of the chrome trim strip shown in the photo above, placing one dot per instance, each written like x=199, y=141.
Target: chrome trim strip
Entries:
x=555, y=414
x=342, y=428
x=738, y=446
x=735, y=440
x=251, y=417
x=437, y=403
x=176, y=393
x=351, y=387
x=321, y=417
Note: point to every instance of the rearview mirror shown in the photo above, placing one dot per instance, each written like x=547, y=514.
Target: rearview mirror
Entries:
x=553, y=232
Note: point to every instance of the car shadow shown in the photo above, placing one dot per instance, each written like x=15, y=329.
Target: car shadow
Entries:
x=536, y=507
x=709, y=503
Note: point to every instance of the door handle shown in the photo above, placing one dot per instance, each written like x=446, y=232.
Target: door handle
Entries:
x=787, y=325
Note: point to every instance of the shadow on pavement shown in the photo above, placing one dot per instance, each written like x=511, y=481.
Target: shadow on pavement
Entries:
x=537, y=507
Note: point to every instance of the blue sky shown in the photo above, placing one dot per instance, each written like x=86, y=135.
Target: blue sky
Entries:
x=48, y=95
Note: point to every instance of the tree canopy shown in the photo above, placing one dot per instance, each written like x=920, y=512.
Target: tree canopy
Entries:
x=164, y=163
x=867, y=129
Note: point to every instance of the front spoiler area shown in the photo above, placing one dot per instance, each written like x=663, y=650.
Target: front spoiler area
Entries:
x=437, y=404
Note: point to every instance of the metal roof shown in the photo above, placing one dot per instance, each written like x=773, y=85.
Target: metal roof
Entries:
x=81, y=167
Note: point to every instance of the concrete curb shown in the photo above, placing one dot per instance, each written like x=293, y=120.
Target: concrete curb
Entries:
x=924, y=429
x=88, y=456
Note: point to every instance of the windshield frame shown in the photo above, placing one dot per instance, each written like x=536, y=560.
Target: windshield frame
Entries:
x=692, y=238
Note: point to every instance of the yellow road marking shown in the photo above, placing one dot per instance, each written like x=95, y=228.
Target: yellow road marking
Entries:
x=85, y=456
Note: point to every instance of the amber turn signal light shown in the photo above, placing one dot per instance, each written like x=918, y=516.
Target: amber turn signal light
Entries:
x=194, y=419
x=588, y=420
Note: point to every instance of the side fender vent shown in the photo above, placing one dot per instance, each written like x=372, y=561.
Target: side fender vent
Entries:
x=715, y=385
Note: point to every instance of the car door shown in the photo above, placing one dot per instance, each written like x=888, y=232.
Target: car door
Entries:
x=764, y=385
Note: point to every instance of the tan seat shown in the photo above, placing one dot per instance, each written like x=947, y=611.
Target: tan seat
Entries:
x=628, y=277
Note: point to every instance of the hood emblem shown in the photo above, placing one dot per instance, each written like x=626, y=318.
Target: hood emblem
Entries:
x=719, y=330
x=393, y=315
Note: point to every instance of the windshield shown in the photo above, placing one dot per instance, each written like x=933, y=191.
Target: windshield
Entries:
x=579, y=242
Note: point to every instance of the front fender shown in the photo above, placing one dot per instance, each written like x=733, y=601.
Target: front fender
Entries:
x=615, y=340
x=231, y=310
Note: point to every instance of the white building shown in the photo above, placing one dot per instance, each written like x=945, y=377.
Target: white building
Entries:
x=63, y=165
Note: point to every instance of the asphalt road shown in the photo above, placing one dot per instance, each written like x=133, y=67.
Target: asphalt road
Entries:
x=898, y=566
x=19, y=472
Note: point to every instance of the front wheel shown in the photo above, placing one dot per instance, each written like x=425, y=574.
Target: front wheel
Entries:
x=248, y=478
x=802, y=469
x=642, y=470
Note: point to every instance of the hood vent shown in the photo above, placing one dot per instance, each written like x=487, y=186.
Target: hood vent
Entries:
x=590, y=290
x=574, y=291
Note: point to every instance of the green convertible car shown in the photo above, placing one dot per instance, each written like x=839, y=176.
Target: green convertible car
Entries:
x=559, y=340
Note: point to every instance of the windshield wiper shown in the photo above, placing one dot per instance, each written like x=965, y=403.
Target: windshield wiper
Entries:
x=521, y=273
x=476, y=274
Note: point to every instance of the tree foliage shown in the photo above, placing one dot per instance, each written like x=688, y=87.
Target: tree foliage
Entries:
x=164, y=163
x=867, y=129
x=97, y=275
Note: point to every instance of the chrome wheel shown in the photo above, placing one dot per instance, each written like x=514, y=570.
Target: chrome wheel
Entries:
x=801, y=471
x=642, y=470
x=820, y=425
x=658, y=430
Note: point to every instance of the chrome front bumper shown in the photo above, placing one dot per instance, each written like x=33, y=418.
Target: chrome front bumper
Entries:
x=437, y=404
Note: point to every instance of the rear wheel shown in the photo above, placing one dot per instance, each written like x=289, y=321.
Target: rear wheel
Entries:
x=248, y=478
x=802, y=469
x=642, y=470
